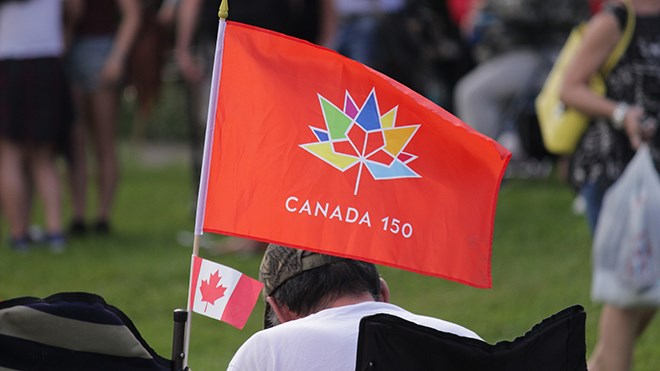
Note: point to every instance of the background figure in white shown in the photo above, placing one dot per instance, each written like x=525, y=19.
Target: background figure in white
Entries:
x=35, y=115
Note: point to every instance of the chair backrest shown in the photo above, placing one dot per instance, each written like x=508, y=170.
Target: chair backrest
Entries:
x=72, y=331
x=387, y=342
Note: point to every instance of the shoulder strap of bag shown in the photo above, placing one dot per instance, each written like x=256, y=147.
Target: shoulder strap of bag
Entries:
x=622, y=45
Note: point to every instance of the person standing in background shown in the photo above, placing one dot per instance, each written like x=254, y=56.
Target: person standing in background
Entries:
x=354, y=28
x=103, y=34
x=627, y=116
x=415, y=42
x=196, y=32
x=514, y=42
x=35, y=115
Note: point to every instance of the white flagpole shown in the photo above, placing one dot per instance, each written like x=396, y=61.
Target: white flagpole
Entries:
x=204, y=174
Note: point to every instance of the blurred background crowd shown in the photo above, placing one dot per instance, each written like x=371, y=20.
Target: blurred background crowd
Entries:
x=81, y=78
x=68, y=67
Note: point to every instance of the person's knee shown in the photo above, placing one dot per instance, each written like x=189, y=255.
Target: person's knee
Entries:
x=468, y=90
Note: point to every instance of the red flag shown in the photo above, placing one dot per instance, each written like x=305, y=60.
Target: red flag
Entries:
x=222, y=293
x=314, y=150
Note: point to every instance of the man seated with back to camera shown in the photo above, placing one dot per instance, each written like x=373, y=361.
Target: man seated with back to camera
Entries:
x=314, y=304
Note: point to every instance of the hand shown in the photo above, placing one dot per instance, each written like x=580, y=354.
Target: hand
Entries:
x=637, y=130
x=111, y=72
x=189, y=66
x=649, y=125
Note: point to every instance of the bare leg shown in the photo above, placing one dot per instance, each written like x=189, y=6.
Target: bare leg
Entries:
x=618, y=330
x=483, y=95
x=78, y=160
x=42, y=164
x=13, y=186
x=105, y=106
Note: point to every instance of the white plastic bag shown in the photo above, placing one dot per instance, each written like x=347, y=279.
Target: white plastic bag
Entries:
x=626, y=250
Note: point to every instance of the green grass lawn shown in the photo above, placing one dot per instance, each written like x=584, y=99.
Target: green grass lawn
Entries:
x=541, y=264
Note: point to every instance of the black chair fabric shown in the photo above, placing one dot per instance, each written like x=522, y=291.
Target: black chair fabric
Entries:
x=388, y=342
x=72, y=331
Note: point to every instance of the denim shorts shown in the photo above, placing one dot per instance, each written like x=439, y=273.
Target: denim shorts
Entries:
x=86, y=60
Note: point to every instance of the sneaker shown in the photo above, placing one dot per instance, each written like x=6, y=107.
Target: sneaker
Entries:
x=56, y=243
x=579, y=205
x=102, y=227
x=36, y=234
x=20, y=244
x=77, y=228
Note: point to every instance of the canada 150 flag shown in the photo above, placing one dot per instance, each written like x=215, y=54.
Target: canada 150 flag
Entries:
x=313, y=150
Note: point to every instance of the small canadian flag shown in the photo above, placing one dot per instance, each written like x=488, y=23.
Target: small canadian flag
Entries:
x=222, y=293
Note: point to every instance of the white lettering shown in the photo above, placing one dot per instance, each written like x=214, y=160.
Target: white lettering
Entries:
x=365, y=219
x=351, y=215
x=322, y=209
x=305, y=208
x=288, y=202
x=347, y=214
x=336, y=213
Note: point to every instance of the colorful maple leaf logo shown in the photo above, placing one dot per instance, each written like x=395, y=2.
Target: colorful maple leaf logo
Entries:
x=363, y=137
x=211, y=289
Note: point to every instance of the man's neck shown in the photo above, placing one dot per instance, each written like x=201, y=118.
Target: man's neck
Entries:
x=350, y=300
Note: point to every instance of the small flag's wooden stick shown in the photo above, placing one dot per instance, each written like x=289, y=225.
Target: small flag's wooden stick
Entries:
x=223, y=13
x=196, y=241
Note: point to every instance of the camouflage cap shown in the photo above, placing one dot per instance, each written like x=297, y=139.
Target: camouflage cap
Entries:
x=281, y=263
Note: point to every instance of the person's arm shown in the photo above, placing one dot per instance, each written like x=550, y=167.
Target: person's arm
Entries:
x=167, y=12
x=123, y=41
x=187, y=23
x=71, y=13
x=601, y=36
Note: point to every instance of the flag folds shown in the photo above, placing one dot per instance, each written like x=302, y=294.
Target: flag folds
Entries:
x=223, y=293
x=313, y=150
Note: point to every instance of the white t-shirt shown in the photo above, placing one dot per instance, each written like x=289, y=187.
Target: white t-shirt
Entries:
x=31, y=29
x=326, y=340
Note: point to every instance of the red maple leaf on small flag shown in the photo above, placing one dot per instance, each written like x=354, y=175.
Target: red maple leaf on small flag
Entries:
x=211, y=289
x=232, y=301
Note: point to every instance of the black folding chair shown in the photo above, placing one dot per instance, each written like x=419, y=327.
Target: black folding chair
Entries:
x=388, y=342
x=72, y=331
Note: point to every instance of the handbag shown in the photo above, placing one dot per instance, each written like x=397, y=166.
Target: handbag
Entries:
x=626, y=249
x=561, y=126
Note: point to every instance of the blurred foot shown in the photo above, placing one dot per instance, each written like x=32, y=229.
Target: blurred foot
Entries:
x=77, y=228
x=56, y=243
x=102, y=227
x=579, y=205
x=36, y=234
x=20, y=244
x=511, y=141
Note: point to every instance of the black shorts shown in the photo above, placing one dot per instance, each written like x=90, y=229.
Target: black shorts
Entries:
x=35, y=101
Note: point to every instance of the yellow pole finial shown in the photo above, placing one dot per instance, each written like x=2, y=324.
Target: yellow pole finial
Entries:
x=223, y=13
